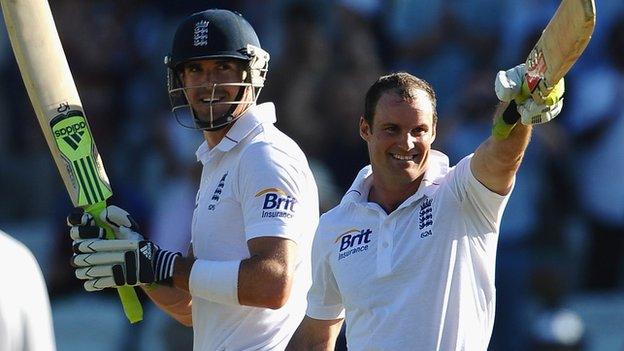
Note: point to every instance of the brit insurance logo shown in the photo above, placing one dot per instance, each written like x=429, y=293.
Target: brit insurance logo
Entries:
x=200, y=34
x=353, y=241
x=277, y=203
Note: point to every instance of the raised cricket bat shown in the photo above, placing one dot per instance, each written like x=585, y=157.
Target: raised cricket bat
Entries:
x=55, y=99
x=562, y=42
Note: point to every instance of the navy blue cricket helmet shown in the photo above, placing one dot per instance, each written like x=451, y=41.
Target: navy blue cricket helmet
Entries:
x=216, y=34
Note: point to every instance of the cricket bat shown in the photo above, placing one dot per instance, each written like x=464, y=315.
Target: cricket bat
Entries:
x=55, y=99
x=561, y=44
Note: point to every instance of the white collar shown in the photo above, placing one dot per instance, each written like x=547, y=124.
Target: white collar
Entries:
x=242, y=127
x=437, y=168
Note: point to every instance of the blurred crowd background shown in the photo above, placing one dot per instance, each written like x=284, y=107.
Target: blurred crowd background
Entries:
x=560, y=266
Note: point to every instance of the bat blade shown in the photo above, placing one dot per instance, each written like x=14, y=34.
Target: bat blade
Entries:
x=53, y=94
x=561, y=44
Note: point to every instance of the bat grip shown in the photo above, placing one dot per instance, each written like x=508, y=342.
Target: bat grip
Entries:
x=129, y=299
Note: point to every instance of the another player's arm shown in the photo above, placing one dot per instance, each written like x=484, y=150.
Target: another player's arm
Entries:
x=496, y=161
x=316, y=335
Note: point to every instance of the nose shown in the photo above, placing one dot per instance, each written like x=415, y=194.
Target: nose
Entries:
x=209, y=77
x=408, y=141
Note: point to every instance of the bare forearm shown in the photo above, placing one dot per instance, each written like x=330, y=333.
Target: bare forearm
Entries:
x=496, y=160
x=506, y=155
x=315, y=335
x=175, y=302
x=182, y=273
x=297, y=343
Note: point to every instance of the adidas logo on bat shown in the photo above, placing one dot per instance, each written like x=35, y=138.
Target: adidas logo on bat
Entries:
x=72, y=134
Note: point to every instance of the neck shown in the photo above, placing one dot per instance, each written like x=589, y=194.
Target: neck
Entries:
x=214, y=137
x=390, y=195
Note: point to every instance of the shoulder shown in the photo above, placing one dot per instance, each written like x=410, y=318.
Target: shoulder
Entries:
x=271, y=146
x=13, y=250
x=16, y=255
x=334, y=219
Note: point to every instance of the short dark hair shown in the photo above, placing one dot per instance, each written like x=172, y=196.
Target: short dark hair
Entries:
x=404, y=85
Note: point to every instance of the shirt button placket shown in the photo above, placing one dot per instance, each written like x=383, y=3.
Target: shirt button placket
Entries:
x=384, y=250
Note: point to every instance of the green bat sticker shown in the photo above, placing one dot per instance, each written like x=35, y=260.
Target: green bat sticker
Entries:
x=75, y=143
x=73, y=138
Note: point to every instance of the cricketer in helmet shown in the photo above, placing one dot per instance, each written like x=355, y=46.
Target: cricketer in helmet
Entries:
x=216, y=69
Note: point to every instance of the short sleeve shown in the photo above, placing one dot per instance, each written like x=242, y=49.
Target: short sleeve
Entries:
x=277, y=193
x=483, y=206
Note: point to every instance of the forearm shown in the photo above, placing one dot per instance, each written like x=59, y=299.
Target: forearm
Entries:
x=175, y=302
x=311, y=344
x=505, y=155
x=182, y=273
x=315, y=335
x=496, y=160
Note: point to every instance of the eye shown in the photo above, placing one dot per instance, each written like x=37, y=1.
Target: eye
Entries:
x=390, y=129
x=225, y=66
x=192, y=68
x=420, y=130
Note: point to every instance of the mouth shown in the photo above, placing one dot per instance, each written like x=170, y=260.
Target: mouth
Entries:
x=212, y=100
x=404, y=157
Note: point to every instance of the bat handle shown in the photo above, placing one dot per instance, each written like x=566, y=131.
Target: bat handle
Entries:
x=129, y=299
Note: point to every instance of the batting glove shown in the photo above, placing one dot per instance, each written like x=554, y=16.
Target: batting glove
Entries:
x=508, y=86
x=127, y=260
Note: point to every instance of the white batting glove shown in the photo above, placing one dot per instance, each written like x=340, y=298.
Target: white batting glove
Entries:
x=127, y=260
x=533, y=113
x=508, y=86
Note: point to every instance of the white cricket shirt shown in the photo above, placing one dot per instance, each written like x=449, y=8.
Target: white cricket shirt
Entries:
x=255, y=183
x=420, y=278
x=25, y=315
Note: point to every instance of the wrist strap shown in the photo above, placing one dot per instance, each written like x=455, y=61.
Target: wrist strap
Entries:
x=163, y=265
x=215, y=281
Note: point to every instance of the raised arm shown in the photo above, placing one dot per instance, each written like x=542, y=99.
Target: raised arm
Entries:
x=315, y=335
x=496, y=161
x=498, y=158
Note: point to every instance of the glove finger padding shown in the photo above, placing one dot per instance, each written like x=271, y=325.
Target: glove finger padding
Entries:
x=98, y=245
x=78, y=217
x=127, y=263
x=117, y=218
x=98, y=259
x=99, y=284
x=534, y=113
x=93, y=272
x=86, y=232
x=124, y=226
